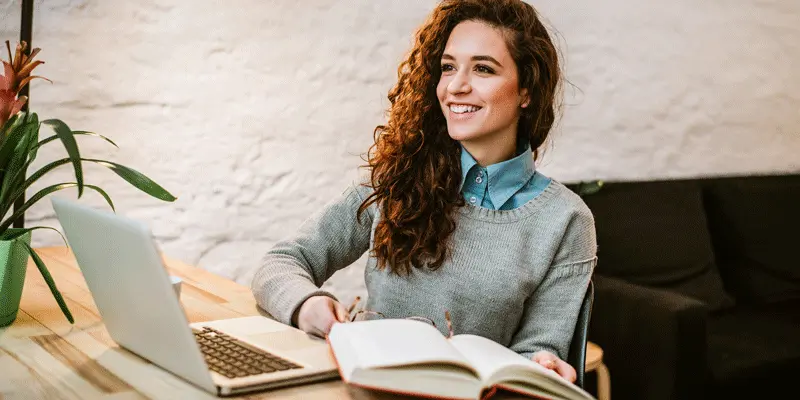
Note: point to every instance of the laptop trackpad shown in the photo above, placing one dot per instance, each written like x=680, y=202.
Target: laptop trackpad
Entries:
x=268, y=333
x=246, y=326
x=297, y=346
x=288, y=340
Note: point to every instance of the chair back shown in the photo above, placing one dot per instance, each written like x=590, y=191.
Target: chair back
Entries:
x=577, y=348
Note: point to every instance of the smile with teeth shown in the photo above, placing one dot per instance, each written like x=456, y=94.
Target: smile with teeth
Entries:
x=463, y=109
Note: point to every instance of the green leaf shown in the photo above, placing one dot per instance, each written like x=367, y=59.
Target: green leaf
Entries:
x=87, y=133
x=13, y=119
x=150, y=187
x=16, y=168
x=12, y=234
x=589, y=188
x=50, y=283
x=138, y=180
x=105, y=196
x=5, y=204
x=7, y=190
x=44, y=192
x=68, y=138
x=33, y=149
x=12, y=123
x=15, y=135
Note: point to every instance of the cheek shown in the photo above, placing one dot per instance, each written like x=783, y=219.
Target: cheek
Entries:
x=505, y=98
x=441, y=89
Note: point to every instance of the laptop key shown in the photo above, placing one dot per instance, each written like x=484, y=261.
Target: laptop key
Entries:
x=278, y=366
x=231, y=358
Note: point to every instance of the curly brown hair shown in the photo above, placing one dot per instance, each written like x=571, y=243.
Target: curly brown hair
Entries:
x=414, y=164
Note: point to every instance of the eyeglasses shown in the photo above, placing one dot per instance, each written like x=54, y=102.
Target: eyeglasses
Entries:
x=367, y=315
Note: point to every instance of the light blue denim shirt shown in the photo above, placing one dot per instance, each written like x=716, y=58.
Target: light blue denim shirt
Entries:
x=502, y=186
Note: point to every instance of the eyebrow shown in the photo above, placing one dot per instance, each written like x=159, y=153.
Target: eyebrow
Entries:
x=474, y=58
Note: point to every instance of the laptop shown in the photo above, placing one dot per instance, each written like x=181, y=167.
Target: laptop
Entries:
x=131, y=287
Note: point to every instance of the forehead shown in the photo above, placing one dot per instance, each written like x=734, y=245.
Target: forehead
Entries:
x=471, y=38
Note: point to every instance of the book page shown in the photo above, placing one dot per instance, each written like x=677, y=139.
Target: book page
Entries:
x=497, y=364
x=489, y=357
x=392, y=343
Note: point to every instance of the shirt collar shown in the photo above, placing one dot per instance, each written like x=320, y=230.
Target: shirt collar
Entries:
x=467, y=162
x=505, y=178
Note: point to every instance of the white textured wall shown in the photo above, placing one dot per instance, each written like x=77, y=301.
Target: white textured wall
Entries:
x=254, y=113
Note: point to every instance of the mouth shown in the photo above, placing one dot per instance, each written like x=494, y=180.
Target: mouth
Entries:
x=463, y=111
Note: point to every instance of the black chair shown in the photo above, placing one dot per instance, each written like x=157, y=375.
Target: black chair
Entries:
x=577, y=348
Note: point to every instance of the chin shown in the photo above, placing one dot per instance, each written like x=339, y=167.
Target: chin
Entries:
x=463, y=135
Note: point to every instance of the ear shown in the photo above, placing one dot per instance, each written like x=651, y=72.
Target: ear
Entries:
x=524, y=98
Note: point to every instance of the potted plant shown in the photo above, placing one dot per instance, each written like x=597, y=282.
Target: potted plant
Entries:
x=19, y=143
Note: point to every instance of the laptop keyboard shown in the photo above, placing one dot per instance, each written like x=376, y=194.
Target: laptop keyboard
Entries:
x=231, y=358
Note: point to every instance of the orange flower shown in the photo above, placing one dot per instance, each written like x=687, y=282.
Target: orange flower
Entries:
x=16, y=74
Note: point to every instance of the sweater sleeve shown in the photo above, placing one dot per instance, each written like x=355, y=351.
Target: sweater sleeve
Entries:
x=295, y=268
x=551, y=311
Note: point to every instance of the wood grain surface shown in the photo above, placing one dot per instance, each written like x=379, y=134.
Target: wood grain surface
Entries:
x=42, y=356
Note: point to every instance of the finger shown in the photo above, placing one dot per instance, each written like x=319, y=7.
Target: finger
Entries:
x=542, y=355
x=327, y=317
x=341, y=313
x=315, y=328
x=548, y=363
x=317, y=332
x=322, y=325
x=566, y=371
x=545, y=359
x=318, y=322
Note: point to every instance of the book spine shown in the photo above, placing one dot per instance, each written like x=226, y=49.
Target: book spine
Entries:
x=506, y=388
x=489, y=393
x=405, y=393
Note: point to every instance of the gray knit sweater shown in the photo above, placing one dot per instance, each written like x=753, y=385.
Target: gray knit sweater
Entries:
x=517, y=277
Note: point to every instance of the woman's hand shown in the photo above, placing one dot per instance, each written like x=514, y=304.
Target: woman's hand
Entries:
x=318, y=314
x=551, y=361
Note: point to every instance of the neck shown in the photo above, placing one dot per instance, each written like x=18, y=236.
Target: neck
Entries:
x=492, y=150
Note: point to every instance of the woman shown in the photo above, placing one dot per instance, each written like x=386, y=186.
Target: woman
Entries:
x=455, y=215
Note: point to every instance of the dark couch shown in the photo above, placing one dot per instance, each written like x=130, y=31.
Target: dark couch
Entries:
x=698, y=287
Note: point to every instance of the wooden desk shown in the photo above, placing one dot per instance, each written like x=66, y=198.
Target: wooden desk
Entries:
x=43, y=356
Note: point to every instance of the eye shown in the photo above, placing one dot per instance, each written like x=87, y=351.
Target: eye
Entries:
x=484, y=69
x=447, y=67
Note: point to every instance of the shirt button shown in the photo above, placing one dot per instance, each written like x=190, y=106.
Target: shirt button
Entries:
x=473, y=199
x=478, y=179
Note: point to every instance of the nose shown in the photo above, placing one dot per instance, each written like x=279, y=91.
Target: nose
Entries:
x=460, y=83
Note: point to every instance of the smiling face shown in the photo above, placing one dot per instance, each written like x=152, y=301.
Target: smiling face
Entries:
x=479, y=91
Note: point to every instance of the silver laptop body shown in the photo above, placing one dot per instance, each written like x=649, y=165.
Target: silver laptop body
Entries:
x=130, y=285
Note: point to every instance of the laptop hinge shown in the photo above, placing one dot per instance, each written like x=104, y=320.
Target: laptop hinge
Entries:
x=235, y=390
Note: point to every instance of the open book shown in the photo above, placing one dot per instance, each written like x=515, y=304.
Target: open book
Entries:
x=412, y=357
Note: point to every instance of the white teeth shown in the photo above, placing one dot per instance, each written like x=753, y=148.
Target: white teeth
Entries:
x=461, y=109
